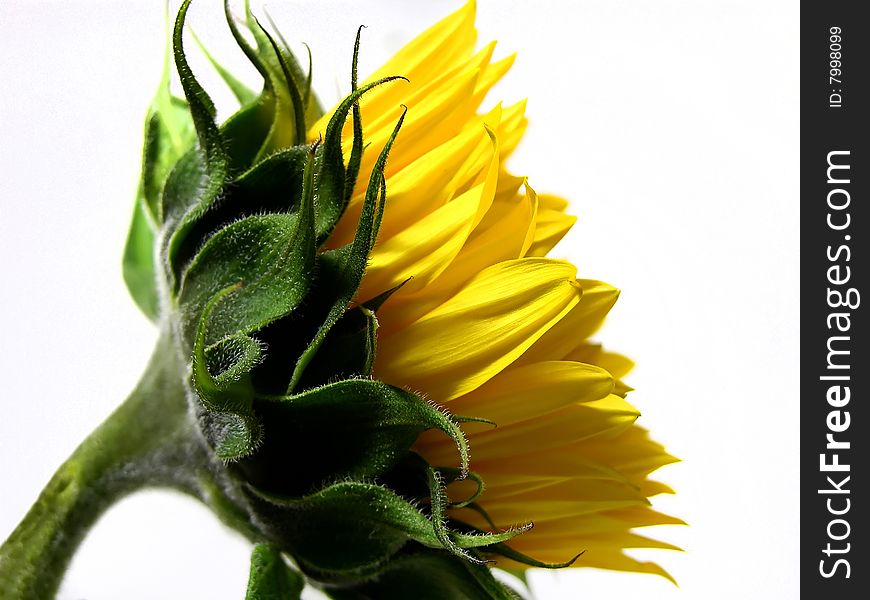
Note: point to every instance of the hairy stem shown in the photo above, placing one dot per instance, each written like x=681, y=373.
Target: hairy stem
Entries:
x=151, y=440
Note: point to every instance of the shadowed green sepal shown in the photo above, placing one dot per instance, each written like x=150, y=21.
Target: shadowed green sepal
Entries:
x=354, y=429
x=348, y=531
x=431, y=575
x=271, y=578
x=348, y=350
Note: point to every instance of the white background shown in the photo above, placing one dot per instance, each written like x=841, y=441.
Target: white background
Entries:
x=673, y=127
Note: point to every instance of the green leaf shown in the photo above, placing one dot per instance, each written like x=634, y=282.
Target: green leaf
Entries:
x=271, y=578
x=169, y=133
x=138, y=264
x=355, y=429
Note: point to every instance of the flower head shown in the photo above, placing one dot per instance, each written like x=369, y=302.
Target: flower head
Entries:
x=350, y=303
x=486, y=325
x=351, y=286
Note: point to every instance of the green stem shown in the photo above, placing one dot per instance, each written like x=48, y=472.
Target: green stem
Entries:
x=152, y=439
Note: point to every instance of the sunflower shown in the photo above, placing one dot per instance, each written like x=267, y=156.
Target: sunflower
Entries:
x=486, y=325
x=329, y=326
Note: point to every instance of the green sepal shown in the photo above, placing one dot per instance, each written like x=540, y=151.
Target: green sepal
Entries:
x=274, y=176
x=259, y=255
x=353, y=163
x=220, y=377
x=352, y=429
x=332, y=176
x=348, y=264
x=232, y=435
x=274, y=185
x=457, y=542
x=200, y=176
x=270, y=258
x=348, y=350
x=248, y=130
x=169, y=134
x=271, y=578
x=345, y=531
x=428, y=575
x=375, y=303
x=242, y=92
x=248, y=275
x=291, y=85
x=516, y=556
x=313, y=108
x=451, y=474
x=283, y=129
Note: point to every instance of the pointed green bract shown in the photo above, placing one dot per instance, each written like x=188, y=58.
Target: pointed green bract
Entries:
x=284, y=130
x=332, y=174
x=351, y=263
x=207, y=173
x=243, y=93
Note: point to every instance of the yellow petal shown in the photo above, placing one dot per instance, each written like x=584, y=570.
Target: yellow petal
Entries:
x=500, y=236
x=555, y=429
x=562, y=500
x=551, y=202
x=426, y=248
x=581, y=322
x=513, y=128
x=529, y=391
x=551, y=226
x=422, y=59
x=615, y=364
x=491, y=75
x=479, y=331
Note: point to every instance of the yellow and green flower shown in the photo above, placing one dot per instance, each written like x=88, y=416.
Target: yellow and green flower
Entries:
x=367, y=362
